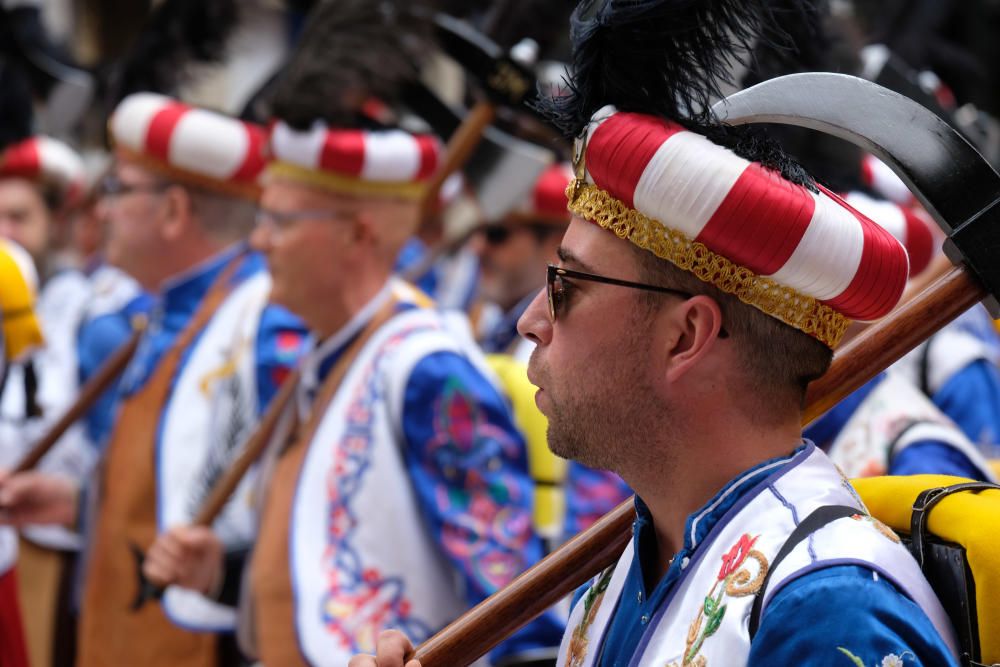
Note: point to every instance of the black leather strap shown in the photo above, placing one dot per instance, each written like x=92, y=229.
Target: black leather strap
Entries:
x=923, y=505
x=820, y=517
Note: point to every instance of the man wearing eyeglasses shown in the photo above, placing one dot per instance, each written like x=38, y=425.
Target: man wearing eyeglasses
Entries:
x=396, y=492
x=179, y=204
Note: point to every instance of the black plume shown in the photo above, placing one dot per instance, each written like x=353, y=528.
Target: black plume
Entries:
x=351, y=51
x=176, y=34
x=661, y=57
x=15, y=104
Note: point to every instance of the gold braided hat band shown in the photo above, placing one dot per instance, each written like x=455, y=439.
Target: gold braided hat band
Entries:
x=326, y=180
x=784, y=303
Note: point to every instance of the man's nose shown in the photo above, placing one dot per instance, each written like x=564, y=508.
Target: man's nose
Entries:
x=260, y=238
x=534, y=323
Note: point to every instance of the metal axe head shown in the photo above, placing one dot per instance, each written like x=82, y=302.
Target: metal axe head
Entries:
x=956, y=185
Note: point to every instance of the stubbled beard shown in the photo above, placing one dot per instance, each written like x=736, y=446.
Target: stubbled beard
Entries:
x=604, y=422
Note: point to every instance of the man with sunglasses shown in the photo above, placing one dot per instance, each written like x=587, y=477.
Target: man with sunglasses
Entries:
x=703, y=282
x=512, y=251
x=395, y=491
x=179, y=203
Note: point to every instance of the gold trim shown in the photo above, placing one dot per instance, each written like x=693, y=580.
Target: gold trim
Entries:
x=345, y=184
x=784, y=303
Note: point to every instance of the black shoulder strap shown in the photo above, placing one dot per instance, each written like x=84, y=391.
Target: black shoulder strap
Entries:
x=819, y=518
x=923, y=505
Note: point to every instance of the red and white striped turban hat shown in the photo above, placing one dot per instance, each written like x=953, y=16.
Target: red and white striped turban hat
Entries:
x=190, y=145
x=547, y=202
x=48, y=162
x=807, y=259
x=907, y=224
x=380, y=163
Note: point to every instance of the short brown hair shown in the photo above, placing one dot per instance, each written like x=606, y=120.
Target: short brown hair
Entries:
x=777, y=361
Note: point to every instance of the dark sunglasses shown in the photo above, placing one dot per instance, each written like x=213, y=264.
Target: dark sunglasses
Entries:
x=497, y=235
x=555, y=287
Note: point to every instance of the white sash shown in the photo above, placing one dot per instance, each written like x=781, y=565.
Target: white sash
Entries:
x=749, y=536
x=211, y=411
x=361, y=558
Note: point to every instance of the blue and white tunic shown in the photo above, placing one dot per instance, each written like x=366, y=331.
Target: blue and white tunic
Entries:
x=849, y=595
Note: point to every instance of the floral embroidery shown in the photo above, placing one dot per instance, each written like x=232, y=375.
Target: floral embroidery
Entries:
x=733, y=580
x=591, y=602
x=359, y=601
x=891, y=660
x=879, y=526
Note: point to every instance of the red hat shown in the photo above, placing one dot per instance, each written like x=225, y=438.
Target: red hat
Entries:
x=46, y=161
x=904, y=223
x=805, y=258
x=388, y=163
x=190, y=145
x=547, y=203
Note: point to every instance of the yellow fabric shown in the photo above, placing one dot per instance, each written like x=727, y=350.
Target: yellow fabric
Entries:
x=327, y=180
x=21, y=329
x=969, y=519
x=544, y=466
x=995, y=464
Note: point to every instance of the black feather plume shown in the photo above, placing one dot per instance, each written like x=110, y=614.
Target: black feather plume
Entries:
x=662, y=57
x=351, y=51
x=15, y=104
x=177, y=34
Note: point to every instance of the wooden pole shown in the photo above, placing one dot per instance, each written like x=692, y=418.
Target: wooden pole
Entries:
x=458, y=151
x=255, y=446
x=89, y=393
x=487, y=624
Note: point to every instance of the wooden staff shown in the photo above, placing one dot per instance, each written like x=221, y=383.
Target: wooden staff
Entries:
x=255, y=446
x=89, y=393
x=458, y=151
x=490, y=622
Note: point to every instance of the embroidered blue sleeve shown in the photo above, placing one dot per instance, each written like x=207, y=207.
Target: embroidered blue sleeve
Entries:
x=971, y=398
x=469, y=469
x=280, y=342
x=846, y=617
x=590, y=494
x=933, y=458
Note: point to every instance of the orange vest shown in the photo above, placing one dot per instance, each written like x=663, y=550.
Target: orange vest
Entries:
x=111, y=633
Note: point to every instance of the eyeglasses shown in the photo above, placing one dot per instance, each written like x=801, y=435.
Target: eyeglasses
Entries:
x=555, y=287
x=284, y=219
x=113, y=186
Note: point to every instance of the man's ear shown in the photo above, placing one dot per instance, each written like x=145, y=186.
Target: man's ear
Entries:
x=176, y=212
x=695, y=325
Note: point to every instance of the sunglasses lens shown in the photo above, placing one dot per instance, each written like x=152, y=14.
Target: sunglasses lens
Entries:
x=496, y=235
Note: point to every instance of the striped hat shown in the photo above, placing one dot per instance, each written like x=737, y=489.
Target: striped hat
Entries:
x=807, y=259
x=905, y=223
x=381, y=163
x=880, y=177
x=49, y=162
x=547, y=203
x=190, y=145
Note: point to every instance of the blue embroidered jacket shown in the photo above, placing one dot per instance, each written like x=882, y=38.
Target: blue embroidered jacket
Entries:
x=280, y=336
x=812, y=620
